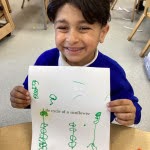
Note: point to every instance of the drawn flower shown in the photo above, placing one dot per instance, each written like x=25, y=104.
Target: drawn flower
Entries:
x=44, y=113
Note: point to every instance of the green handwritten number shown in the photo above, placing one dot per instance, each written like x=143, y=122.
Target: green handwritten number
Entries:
x=73, y=138
x=72, y=144
x=52, y=98
x=73, y=129
x=72, y=124
x=43, y=145
x=35, y=89
x=34, y=82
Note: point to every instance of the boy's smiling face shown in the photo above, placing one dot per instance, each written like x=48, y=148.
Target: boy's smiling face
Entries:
x=75, y=37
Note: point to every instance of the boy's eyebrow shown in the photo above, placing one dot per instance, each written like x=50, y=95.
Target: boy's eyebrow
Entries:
x=61, y=21
x=65, y=21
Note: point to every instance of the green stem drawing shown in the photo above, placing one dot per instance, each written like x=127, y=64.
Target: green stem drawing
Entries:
x=97, y=119
x=43, y=132
x=73, y=138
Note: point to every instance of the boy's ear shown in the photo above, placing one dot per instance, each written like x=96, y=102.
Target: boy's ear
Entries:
x=103, y=33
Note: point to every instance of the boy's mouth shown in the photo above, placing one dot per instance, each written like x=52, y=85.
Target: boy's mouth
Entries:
x=73, y=49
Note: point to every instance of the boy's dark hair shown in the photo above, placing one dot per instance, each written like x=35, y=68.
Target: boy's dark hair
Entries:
x=92, y=10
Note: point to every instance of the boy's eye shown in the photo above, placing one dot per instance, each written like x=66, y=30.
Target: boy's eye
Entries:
x=62, y=28
x=84, y=28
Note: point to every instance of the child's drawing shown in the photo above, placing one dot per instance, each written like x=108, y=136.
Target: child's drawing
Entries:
x=71, y=109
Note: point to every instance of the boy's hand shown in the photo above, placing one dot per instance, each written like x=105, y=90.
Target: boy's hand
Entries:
x=124, y=111
x=20, y=97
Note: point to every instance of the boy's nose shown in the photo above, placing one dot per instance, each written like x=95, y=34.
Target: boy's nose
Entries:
x=72, y=37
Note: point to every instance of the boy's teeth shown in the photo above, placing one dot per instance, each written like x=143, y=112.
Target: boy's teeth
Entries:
x=73, y=49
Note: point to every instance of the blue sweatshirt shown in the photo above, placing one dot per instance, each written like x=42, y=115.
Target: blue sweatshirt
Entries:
x=120, y=87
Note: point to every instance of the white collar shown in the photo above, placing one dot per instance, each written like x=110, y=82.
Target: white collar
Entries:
x=62, y=61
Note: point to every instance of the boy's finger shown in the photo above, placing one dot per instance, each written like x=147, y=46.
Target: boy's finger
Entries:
x=125, y=116
x=22, y=90
x=122, y=109
x=119, y=102
x=125, y=123
x=19, y=105
x=19, y=101
x=20, y=95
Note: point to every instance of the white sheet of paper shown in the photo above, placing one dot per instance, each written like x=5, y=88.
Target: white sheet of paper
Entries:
x=69, y=108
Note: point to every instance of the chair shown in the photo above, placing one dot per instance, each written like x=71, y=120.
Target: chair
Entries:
x=45, y=3
x=8, y=26
x=8, y=5
x=145, y=49
x=23, y=4
x=145, y=14
x=44, y=10
x=134, y=7
x=113, y=3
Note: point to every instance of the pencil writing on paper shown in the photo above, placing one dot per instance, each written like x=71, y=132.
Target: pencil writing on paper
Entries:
x=79, y=90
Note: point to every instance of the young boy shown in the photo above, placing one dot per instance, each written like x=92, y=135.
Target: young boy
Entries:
x=79, y=26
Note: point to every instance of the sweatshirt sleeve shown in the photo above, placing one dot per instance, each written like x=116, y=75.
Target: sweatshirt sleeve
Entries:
x=122, y=89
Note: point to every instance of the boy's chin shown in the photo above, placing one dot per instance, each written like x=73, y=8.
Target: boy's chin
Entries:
x=74, y=62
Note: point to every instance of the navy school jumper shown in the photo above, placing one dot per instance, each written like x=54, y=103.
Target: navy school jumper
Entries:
x=120, y=87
